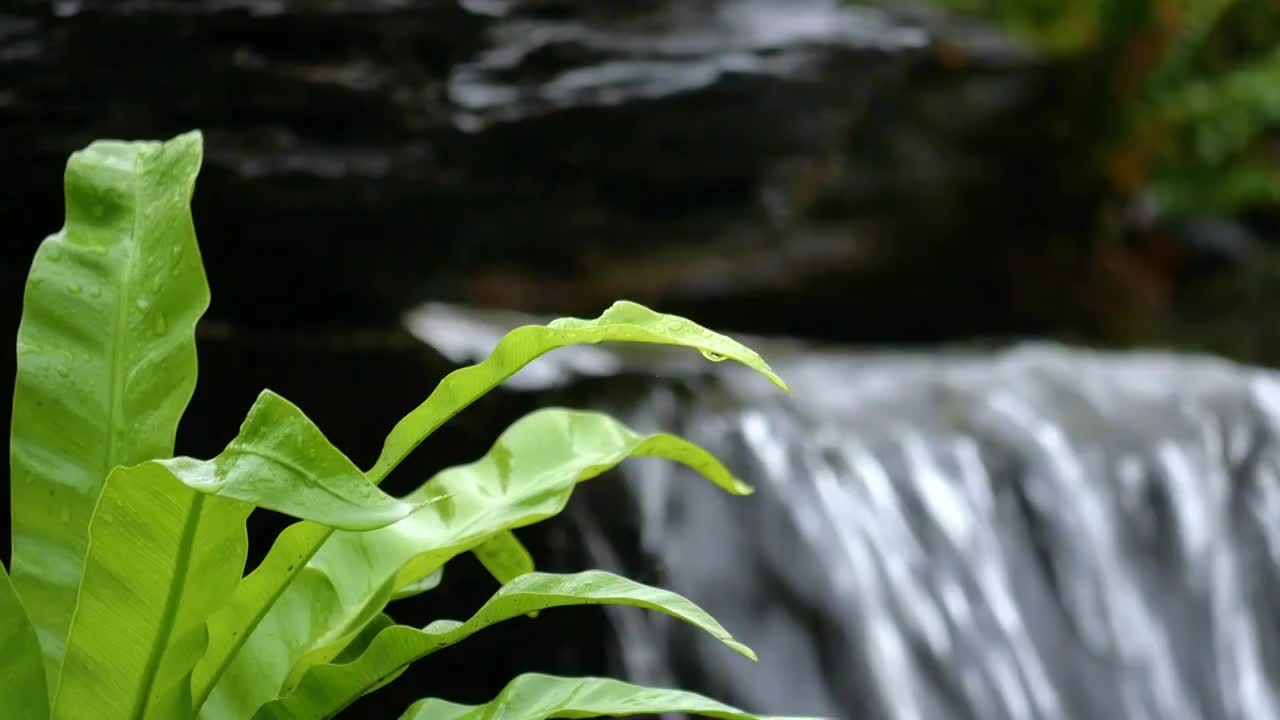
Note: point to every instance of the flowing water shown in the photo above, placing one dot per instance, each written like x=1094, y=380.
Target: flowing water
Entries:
x=1035, y=533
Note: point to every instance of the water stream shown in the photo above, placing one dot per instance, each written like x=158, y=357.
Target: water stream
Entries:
x=1041, y=534
x=1036, y=533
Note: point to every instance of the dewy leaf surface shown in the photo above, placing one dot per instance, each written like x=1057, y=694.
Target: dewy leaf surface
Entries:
x=540, y=697
x=622, y=322
x=327, y=689
x=106, y=357
x=167, y=548
x=22, y=687
x=527, y=476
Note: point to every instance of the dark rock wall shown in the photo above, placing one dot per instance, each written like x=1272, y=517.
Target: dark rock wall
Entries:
x=551, y=155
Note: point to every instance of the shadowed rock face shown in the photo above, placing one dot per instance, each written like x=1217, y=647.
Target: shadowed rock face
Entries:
x=545, y=155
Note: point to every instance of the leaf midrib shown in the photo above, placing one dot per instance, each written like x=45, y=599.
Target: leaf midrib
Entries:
x=114, y=406
x=297, y=469
x=173, y=600
x=116, y=403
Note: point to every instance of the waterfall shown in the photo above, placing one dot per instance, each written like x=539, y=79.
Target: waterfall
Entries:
x=1037, y=533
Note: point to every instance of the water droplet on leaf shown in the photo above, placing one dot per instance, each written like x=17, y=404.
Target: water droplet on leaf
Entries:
x=73, y=288
x=55, y=254
x=143, y=304
x=64, y=371
x=713, y=357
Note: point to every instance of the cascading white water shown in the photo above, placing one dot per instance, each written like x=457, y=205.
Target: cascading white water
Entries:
x=1042, y=533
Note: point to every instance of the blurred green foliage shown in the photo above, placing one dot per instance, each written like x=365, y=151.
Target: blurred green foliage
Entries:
x=1182, y=96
